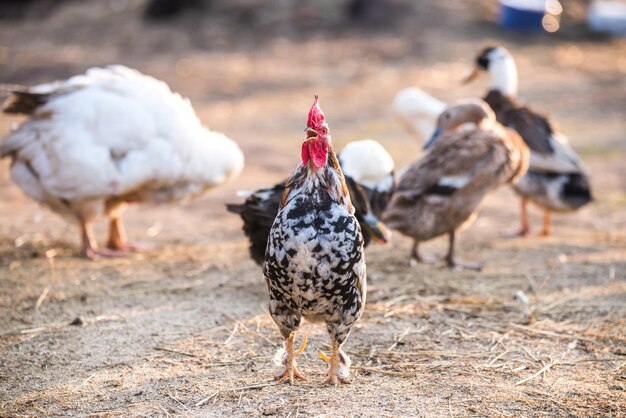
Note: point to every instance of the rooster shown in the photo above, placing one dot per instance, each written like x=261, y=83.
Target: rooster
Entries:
x=314, y=263
x=113, y=136
x=368, y=171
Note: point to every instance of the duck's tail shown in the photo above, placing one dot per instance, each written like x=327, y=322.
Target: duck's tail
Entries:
x=576, y=192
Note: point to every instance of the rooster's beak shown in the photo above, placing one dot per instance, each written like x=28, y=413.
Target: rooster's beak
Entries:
x=475, y=72
x=377, y=229
x=310, y=133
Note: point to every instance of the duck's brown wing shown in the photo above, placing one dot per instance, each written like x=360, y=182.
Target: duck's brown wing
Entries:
x=550, y=152
x=454, y=161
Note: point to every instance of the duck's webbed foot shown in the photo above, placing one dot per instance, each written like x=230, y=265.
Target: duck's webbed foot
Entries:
x=132, y=247
x=522, y=231
x=90, y=247
x=464, y=264
x=94, y=253
x=118, y=242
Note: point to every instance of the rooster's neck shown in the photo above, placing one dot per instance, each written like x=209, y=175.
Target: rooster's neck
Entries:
x=328, y=180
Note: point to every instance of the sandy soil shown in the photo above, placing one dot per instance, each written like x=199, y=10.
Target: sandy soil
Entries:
x=184, y=330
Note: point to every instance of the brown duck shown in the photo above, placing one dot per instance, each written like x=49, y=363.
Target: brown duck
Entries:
x=469, y=155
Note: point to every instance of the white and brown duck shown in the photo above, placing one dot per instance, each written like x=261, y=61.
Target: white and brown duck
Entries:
x=556, y=180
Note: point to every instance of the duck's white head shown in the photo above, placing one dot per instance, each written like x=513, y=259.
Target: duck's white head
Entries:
x=501, y=67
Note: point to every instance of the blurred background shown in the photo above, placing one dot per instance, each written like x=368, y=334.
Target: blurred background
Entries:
x=251, y=68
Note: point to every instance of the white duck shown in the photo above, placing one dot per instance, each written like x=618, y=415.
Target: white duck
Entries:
x=95, y=142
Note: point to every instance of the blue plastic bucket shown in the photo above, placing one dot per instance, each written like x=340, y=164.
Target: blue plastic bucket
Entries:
x=522, y=15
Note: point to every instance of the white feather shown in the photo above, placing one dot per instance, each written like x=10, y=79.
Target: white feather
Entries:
x=344, y=366
x=114, y=131
x=280, y=360
x=502, y=72
x=456, y=182
x=417, y=111
x=386, y=184
x=244, y=193
x=263, y=195
x=368, y=163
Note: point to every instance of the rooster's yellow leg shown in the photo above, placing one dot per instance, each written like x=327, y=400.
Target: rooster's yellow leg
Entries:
x=291, y=370
x=333, y=370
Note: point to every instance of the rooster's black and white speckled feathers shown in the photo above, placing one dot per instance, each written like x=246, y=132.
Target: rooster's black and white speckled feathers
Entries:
x=314, y=264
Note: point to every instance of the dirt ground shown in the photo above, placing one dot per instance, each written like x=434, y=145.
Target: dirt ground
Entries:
x=184, y=330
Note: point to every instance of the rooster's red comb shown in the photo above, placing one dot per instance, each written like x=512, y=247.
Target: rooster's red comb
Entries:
x=316, y=116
